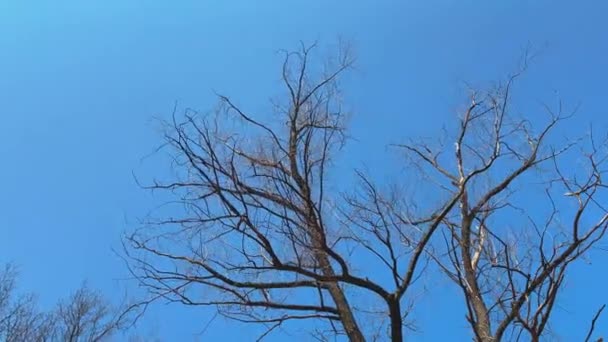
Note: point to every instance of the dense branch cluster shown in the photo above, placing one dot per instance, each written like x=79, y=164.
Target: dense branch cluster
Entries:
x=84, y=317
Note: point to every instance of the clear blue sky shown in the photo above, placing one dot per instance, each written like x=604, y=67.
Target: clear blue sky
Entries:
x=80, y=81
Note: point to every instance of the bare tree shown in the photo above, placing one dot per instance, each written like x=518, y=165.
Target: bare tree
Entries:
x=509, y=249
x=20, y=319
x=255, y=229
x=88, y=317
x=85, y=316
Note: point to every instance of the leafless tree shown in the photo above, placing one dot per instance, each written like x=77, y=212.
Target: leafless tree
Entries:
x=528, y=208
x=255, y=229
x=85, y=316
x=20, y=319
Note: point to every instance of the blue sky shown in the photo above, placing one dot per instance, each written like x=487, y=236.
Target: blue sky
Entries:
x=81, y=80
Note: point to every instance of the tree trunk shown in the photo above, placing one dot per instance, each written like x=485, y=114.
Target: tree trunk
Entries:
x=394, y=308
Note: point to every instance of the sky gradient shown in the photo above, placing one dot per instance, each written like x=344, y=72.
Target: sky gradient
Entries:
x=80, y=83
